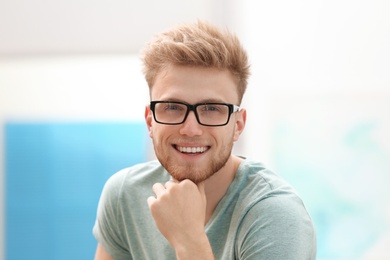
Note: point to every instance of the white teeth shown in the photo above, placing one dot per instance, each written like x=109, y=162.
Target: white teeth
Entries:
x=192, y=149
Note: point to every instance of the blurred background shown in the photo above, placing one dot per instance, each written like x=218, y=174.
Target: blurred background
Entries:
x=72, y=99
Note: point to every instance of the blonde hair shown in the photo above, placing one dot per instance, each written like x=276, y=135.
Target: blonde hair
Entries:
x=197, y=44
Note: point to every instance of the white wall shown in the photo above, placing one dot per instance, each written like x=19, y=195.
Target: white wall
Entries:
x=91, y=26
x=312, y=48
x=72, y=87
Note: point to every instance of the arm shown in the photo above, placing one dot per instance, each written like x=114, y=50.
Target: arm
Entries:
x=101, y=254
x=179, y=211
x=106, y=229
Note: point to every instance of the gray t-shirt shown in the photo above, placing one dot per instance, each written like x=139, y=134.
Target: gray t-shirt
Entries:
x=260, y=217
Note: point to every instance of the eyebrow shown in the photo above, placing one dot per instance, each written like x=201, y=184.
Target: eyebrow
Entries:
x=209, y=100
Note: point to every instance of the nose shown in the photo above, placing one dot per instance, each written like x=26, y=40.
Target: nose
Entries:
x=191, y=127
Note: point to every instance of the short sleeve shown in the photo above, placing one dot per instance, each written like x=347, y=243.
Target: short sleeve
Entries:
x=107, y=229
x=276, y=228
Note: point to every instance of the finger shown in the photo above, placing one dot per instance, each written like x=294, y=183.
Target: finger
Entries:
x=174, y=180
x=170, y=183
x=158, y=189
x=151, y=200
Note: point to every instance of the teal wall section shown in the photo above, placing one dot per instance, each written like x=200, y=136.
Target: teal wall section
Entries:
x=54, y=175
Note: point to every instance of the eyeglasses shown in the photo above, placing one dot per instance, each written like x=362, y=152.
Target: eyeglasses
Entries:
x=207, y=114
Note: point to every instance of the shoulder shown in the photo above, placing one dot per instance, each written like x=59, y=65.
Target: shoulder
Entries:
x=256, y=182
x=264, y=193
x=139, y=173
x=132, y=179
x=273, y=215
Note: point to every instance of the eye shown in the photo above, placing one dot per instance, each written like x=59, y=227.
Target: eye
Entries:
x=209, y=108
x=174, y=107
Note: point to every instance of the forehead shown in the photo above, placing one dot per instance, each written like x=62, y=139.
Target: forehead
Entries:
x=195, y=84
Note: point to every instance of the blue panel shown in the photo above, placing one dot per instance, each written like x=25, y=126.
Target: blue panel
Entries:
x=54, y=175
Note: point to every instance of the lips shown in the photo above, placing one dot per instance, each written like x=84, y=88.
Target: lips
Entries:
x=192, y=150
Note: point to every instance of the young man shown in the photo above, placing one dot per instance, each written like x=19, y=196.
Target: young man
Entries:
x=199, y=201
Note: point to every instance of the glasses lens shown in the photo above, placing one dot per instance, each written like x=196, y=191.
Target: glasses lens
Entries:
x=213, y=114
x=170, y=113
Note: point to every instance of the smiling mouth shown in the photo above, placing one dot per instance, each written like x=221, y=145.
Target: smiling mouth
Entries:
x=192, y=150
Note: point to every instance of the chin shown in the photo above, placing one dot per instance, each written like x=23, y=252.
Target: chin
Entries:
x=195, y=176
x=194, y=179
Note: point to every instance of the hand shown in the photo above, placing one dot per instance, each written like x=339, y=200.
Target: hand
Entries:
x=179, y=210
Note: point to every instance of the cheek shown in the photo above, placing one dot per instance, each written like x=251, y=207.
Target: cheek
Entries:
x=224, y=137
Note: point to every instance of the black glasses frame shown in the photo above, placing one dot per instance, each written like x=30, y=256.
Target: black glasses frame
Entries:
x=232, y=109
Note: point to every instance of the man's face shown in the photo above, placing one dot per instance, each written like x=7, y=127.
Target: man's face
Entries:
x=190, y=150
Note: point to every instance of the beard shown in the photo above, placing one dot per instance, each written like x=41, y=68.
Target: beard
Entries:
x=181, y=170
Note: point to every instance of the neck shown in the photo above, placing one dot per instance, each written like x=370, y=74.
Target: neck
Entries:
x=218, y=184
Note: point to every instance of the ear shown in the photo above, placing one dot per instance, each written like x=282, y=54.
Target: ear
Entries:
x=148, y=119
x=240, y=124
